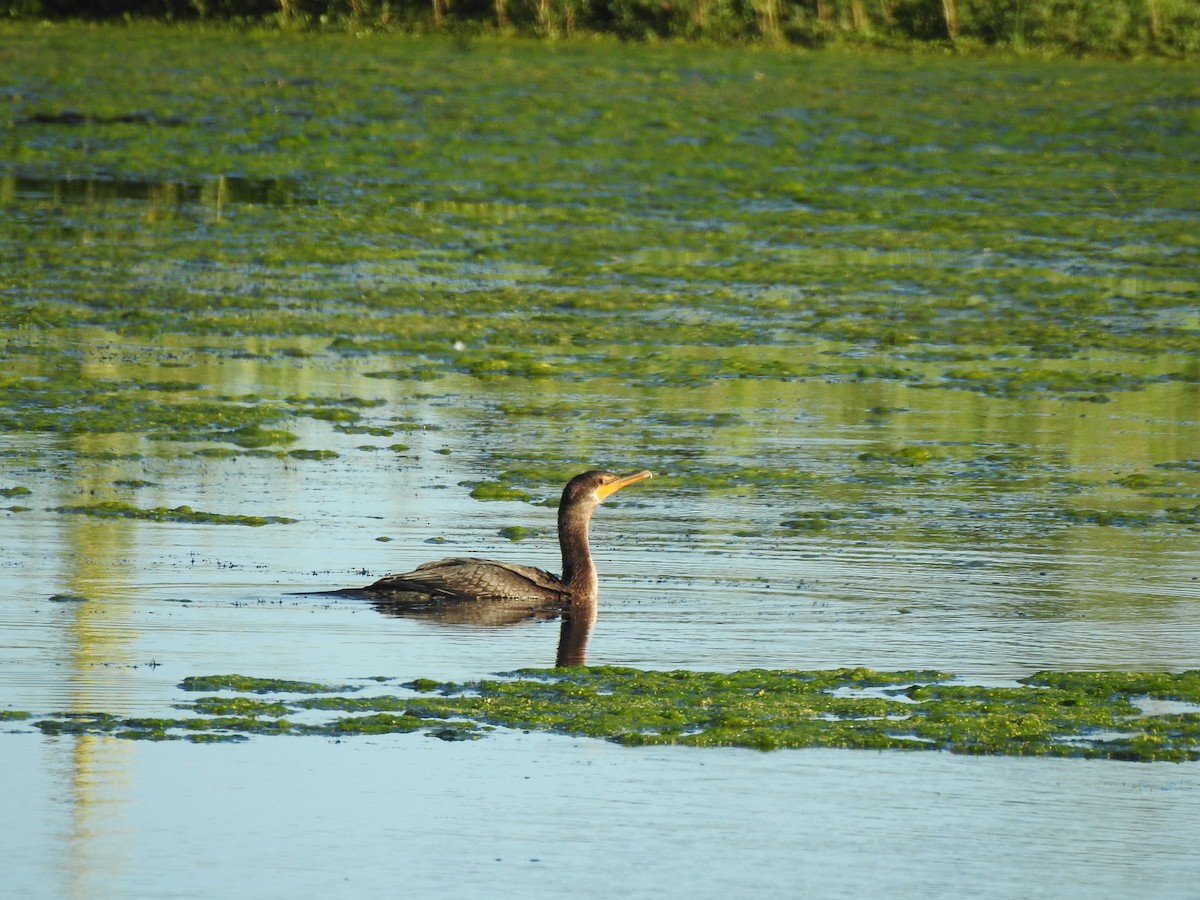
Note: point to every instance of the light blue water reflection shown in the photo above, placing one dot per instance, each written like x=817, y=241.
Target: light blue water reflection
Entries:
x=542, y=816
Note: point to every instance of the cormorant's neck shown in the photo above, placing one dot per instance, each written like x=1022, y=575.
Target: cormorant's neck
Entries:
x=578, y=571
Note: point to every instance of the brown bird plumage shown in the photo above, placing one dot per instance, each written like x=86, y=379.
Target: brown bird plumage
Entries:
x=466, y=578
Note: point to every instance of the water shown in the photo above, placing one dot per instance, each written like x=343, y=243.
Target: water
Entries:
x=545, y=815
x=889, y=407
x=689, y=579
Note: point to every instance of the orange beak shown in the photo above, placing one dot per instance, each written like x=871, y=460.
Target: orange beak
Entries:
x=613, y=486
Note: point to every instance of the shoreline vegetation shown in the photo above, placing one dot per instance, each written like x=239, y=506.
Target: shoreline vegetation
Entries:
x=1090, y=28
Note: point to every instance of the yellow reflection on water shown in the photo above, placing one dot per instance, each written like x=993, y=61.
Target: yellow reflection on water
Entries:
x=99, y=655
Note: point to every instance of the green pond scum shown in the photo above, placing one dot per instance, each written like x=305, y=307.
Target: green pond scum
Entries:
x=116, y=509
x=250, y=684
x=800, y=206
x=892, y=220
x=1134, y=716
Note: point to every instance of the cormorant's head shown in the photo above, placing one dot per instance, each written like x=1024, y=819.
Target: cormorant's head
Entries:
x=592, y=487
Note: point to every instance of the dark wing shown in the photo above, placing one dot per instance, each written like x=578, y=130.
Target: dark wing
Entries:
x=467, y=578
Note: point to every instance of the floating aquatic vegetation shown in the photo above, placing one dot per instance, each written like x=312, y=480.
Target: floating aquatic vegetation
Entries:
x=254, y=436
x=79, y=405
x=249, y=684
x=115, y=509
x=333, y=402
x=821, y=519
x=1096, y=715
x=332, y=414
x=1171, y=515
x=905, y=456
x=918, y=262
x=497, y=490
x=313, y=454
x=69, y=598
x=238, y=706
x=739, y=478
x=516, y=533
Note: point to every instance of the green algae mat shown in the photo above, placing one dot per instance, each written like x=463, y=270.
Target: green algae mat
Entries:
x=1099, y=715
x=1007, y=229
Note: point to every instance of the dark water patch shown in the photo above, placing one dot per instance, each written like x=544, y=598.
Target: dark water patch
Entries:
x=208, y=191
x=75, y=118
x=1172, y=515
x=1004, y=381
x=169, y=386
x=1183, y=465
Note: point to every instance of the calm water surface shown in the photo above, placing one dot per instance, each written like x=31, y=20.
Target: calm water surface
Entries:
x=543, y=816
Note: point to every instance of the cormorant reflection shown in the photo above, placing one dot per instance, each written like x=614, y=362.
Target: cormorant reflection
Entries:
x=578, y=619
